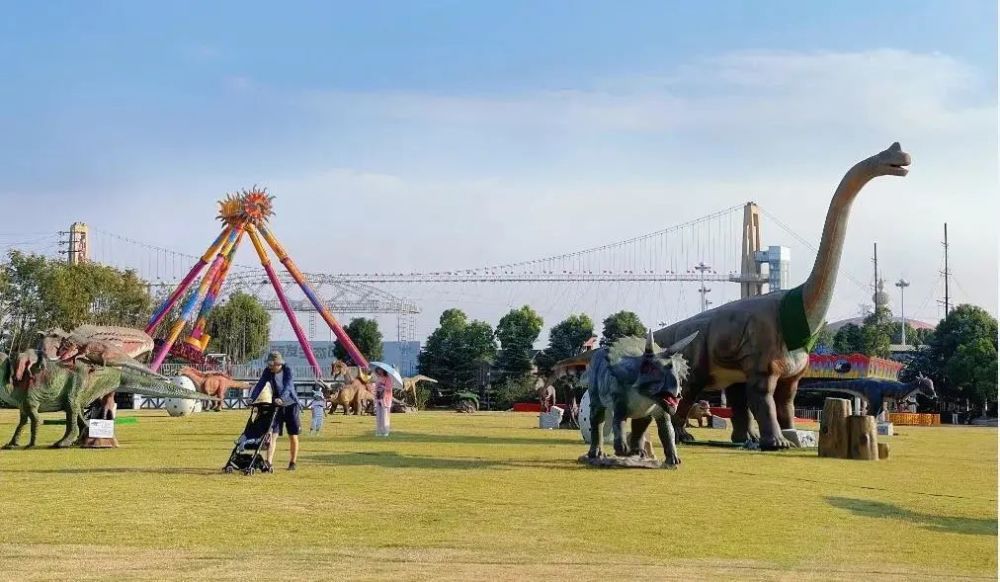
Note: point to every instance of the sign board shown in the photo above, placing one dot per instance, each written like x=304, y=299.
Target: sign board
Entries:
x=101, y=429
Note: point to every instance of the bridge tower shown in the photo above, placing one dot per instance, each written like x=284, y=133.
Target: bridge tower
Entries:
x=753, y=255
x=751, y=278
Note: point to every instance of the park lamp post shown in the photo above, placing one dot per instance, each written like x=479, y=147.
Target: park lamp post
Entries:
x=902, y=284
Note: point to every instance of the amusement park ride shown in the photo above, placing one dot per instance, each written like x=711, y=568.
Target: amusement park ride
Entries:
x=243, y=214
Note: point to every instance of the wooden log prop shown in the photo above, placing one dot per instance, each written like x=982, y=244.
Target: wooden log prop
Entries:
x=833, y=431
x=863, y=437
x=883, y=451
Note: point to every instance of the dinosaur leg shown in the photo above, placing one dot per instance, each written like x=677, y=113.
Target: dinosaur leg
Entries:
x=736, y=397
x=35, y=421
x=784, y=402
x=638, y=436
x=81, y=425
x=596, y=428
x=618, y=429
x=665, y=430
x=23, y=420
x=68, y=435
x=689, y=395
x=760, y=397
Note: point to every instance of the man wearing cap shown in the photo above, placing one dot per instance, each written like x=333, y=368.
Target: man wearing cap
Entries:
x=287, y=403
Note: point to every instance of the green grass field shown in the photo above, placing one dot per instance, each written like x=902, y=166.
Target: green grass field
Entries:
x=464, y=497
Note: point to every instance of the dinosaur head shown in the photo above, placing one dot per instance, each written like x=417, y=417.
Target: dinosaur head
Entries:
x=51, y=342
x=891, y=162
x=925, y=387
x=656, y=375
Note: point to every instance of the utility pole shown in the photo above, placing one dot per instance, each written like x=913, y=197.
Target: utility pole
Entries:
x=875, y=262
x=946, y=273
x=947, y=301
x=701, y=268
x=902, y=284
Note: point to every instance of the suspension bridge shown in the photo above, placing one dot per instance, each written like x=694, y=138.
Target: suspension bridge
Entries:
x=722, y=247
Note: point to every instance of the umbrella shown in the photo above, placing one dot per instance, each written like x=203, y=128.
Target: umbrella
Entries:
x=389, y=370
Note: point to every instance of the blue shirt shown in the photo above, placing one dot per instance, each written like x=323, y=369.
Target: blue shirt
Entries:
x=281, y=386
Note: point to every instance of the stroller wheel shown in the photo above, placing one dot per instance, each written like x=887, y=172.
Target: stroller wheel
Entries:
x=228, y=469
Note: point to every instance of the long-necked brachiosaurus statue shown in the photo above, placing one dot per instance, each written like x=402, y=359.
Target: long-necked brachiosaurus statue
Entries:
x=756, y=349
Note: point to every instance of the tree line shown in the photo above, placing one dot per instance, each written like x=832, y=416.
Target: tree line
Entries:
x=38, y=293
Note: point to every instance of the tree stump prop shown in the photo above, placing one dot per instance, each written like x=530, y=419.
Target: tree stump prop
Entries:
x=846, y=436
x=833, y=437
x=863, y=437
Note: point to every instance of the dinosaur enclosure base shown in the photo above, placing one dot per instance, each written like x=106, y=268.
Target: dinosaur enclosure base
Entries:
x=624, y=463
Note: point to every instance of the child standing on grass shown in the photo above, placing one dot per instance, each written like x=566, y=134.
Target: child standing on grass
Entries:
x=318, y=407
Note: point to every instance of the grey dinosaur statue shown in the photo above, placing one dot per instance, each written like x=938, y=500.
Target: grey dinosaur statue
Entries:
x=757, y=349
x=635, y=382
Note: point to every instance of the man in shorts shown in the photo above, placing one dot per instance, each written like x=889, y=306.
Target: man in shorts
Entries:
x=287, y=403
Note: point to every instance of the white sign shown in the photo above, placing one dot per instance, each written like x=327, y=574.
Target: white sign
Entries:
x=102, y=429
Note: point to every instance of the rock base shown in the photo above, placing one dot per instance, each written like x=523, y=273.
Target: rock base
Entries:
x=100, y=443
x=804, y=439
x=624, y=463
x=719, y=422
x=551, y=419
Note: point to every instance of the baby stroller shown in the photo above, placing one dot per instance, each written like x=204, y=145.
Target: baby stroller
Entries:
x=246, y=455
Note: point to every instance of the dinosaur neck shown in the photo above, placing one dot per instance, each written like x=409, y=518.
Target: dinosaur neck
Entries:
x=817, y=291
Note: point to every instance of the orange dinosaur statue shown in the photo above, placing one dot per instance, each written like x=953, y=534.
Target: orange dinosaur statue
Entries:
x=213, y=384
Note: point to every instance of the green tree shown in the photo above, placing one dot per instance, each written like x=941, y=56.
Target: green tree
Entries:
x=240, y=327
x=517, y=332
x=457, y=353
x=37, y=293
x=366, y=337
x=621, y=324
x=957, y=359
x=921, y=337
x=848, y=340
x=824, y=339
x=22, y=304
x=912, y=337
x=876, y=333
x=565, y=340
x=973, y=370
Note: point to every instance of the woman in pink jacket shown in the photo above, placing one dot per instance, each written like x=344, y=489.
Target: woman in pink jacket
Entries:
x=383, y=401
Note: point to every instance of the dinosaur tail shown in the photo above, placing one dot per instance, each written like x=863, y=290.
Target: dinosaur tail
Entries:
x=143, y=381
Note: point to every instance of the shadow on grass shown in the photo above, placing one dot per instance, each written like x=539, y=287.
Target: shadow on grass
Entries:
x=394, y=460
x=414, y=437
x=121, y=471
x=938, y=523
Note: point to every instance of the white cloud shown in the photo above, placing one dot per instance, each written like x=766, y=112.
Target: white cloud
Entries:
x=401, y=180
x=784, y=126
x=881, y=90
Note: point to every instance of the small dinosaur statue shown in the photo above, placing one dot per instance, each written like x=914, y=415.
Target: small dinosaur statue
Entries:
x=700, y=411
x=214, y=384
x=53, y=386
x=410, y=385
x=873, y=391
x=757, y=349
x=641, y=384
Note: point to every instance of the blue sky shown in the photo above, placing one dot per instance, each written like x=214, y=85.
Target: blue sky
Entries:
x=443, y=119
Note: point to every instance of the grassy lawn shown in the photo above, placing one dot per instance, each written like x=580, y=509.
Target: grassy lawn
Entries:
x=463, y=497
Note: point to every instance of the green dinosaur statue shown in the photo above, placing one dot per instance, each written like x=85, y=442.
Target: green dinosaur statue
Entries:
x=53, y=387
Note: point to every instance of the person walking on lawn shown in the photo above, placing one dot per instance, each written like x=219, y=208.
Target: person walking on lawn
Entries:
x=288, y=407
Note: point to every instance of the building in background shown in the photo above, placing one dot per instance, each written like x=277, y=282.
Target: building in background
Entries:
x=402, y=355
